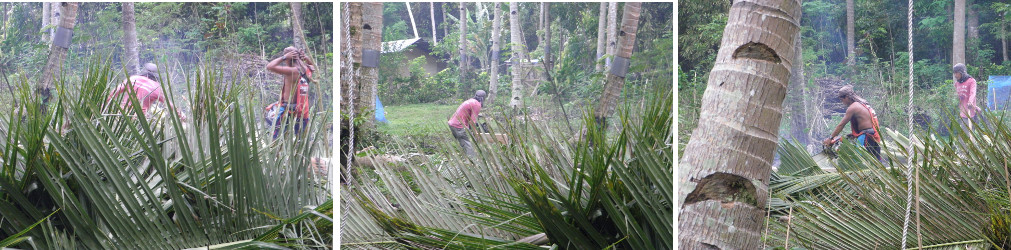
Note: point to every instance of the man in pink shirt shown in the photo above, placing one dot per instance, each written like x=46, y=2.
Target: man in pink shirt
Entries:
x=464, y=119
x=146, y=87
x=965, y=87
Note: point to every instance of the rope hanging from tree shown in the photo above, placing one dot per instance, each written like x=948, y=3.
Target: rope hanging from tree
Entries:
x=909, y=149
x=349, y=78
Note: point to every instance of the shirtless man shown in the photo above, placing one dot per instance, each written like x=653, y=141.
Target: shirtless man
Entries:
x=862, y=119
x=292, y=66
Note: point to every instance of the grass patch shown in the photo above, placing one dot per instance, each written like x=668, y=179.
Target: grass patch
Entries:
x=417, y=120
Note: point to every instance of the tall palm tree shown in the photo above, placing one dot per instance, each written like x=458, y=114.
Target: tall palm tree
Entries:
x=726, y=165
x=496, y=37
x=958, y=38
x=518, y=55
x=372, y=39
x=851, y=54
x=614, y=83
x=601, y=34
x=57, y=52
x=130, y=39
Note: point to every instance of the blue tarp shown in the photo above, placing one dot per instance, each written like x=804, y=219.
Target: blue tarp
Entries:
x=380, y=112
x=1000, y=91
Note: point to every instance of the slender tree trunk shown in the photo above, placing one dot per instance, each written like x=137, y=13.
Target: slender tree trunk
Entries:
x=431, y=13
x=372, y=38
x=547, y=36
x=296, y=26
x=46, y=13
x=57, y=54
x=496, y=35
x=132, y=58
x=612, y=33
x=518, y=55
x=973, y=23
x=798, y=118
x=614, y=83
x=958, y=45
x=851, y=54
x=54, y=18
x=445, y=31
x=725, y=170
x=1003, y=42
x=463, y=40
x=601, y=35
x=540, y=26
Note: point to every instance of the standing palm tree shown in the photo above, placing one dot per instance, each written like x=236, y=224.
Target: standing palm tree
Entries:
x=616, y=80
x=496, y=35
x=296, y=25
x=132, y=58
x=850, y=33
x=726, y=166
x=372, y=39
x=601, y=34
x=57, y=51
x=612, y=32
x=45, y=20
x=798, y=111
x=958, y=38
x=518, y=55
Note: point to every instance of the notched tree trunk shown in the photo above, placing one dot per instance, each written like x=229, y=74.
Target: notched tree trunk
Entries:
x=724, y=174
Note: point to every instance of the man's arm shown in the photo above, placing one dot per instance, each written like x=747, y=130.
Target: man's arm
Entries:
x=846, y=118
x=474, y=113
x=275, y=66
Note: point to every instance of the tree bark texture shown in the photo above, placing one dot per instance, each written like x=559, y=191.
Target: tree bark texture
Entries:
x=54, y=18
x=57, y=54
x=798, y=115
x=612, y=33
x=601, y=35
x=626, y=41
x=973, y=23
x=431, y=14
x=1003, y=42
x=296, y=26
x=958, y=38
x=132, y=57
x=724, y=173
x=518, y=55
x=372, y=38
x=46, y=13
x=851, y=54
x=463, y=40
x=353, y=45
x=547, y=36
x=496, y=36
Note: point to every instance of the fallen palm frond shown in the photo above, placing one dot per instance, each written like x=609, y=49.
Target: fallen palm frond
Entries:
x=863, y=206
x=539, y=190
x=123, y=179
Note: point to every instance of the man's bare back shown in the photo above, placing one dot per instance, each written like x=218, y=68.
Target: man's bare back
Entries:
x=861, y=116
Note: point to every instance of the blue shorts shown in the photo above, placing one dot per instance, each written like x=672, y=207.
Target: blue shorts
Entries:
x=283, y=121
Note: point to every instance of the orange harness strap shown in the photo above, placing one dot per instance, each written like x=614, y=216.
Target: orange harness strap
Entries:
x=874, y=124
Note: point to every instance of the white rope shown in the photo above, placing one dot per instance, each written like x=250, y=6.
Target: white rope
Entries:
x=349, y=78
x=909, y=149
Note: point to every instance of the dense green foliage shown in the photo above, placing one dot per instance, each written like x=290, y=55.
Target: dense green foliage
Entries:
x=574, y=36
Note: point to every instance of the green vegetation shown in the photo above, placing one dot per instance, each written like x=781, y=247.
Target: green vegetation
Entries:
x=417, y=121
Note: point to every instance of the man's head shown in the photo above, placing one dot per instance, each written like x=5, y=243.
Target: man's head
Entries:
x=959, y=72
x=848, y=96
x=480, y=95
x=150, y=70
x=290, y=49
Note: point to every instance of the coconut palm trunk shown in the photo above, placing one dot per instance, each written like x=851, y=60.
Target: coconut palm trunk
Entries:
x=851, y=54
x=798, y=111
x=601, y=35
x=57, y=52
x=612, y=33
x=615, y=76
x=958, y=38
x=496, y=36
x=296, y=26
x=372, y=38
x=46, y=12
x=725, y=170
x=132, y=58
x=547, y=35
x=517, y=51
